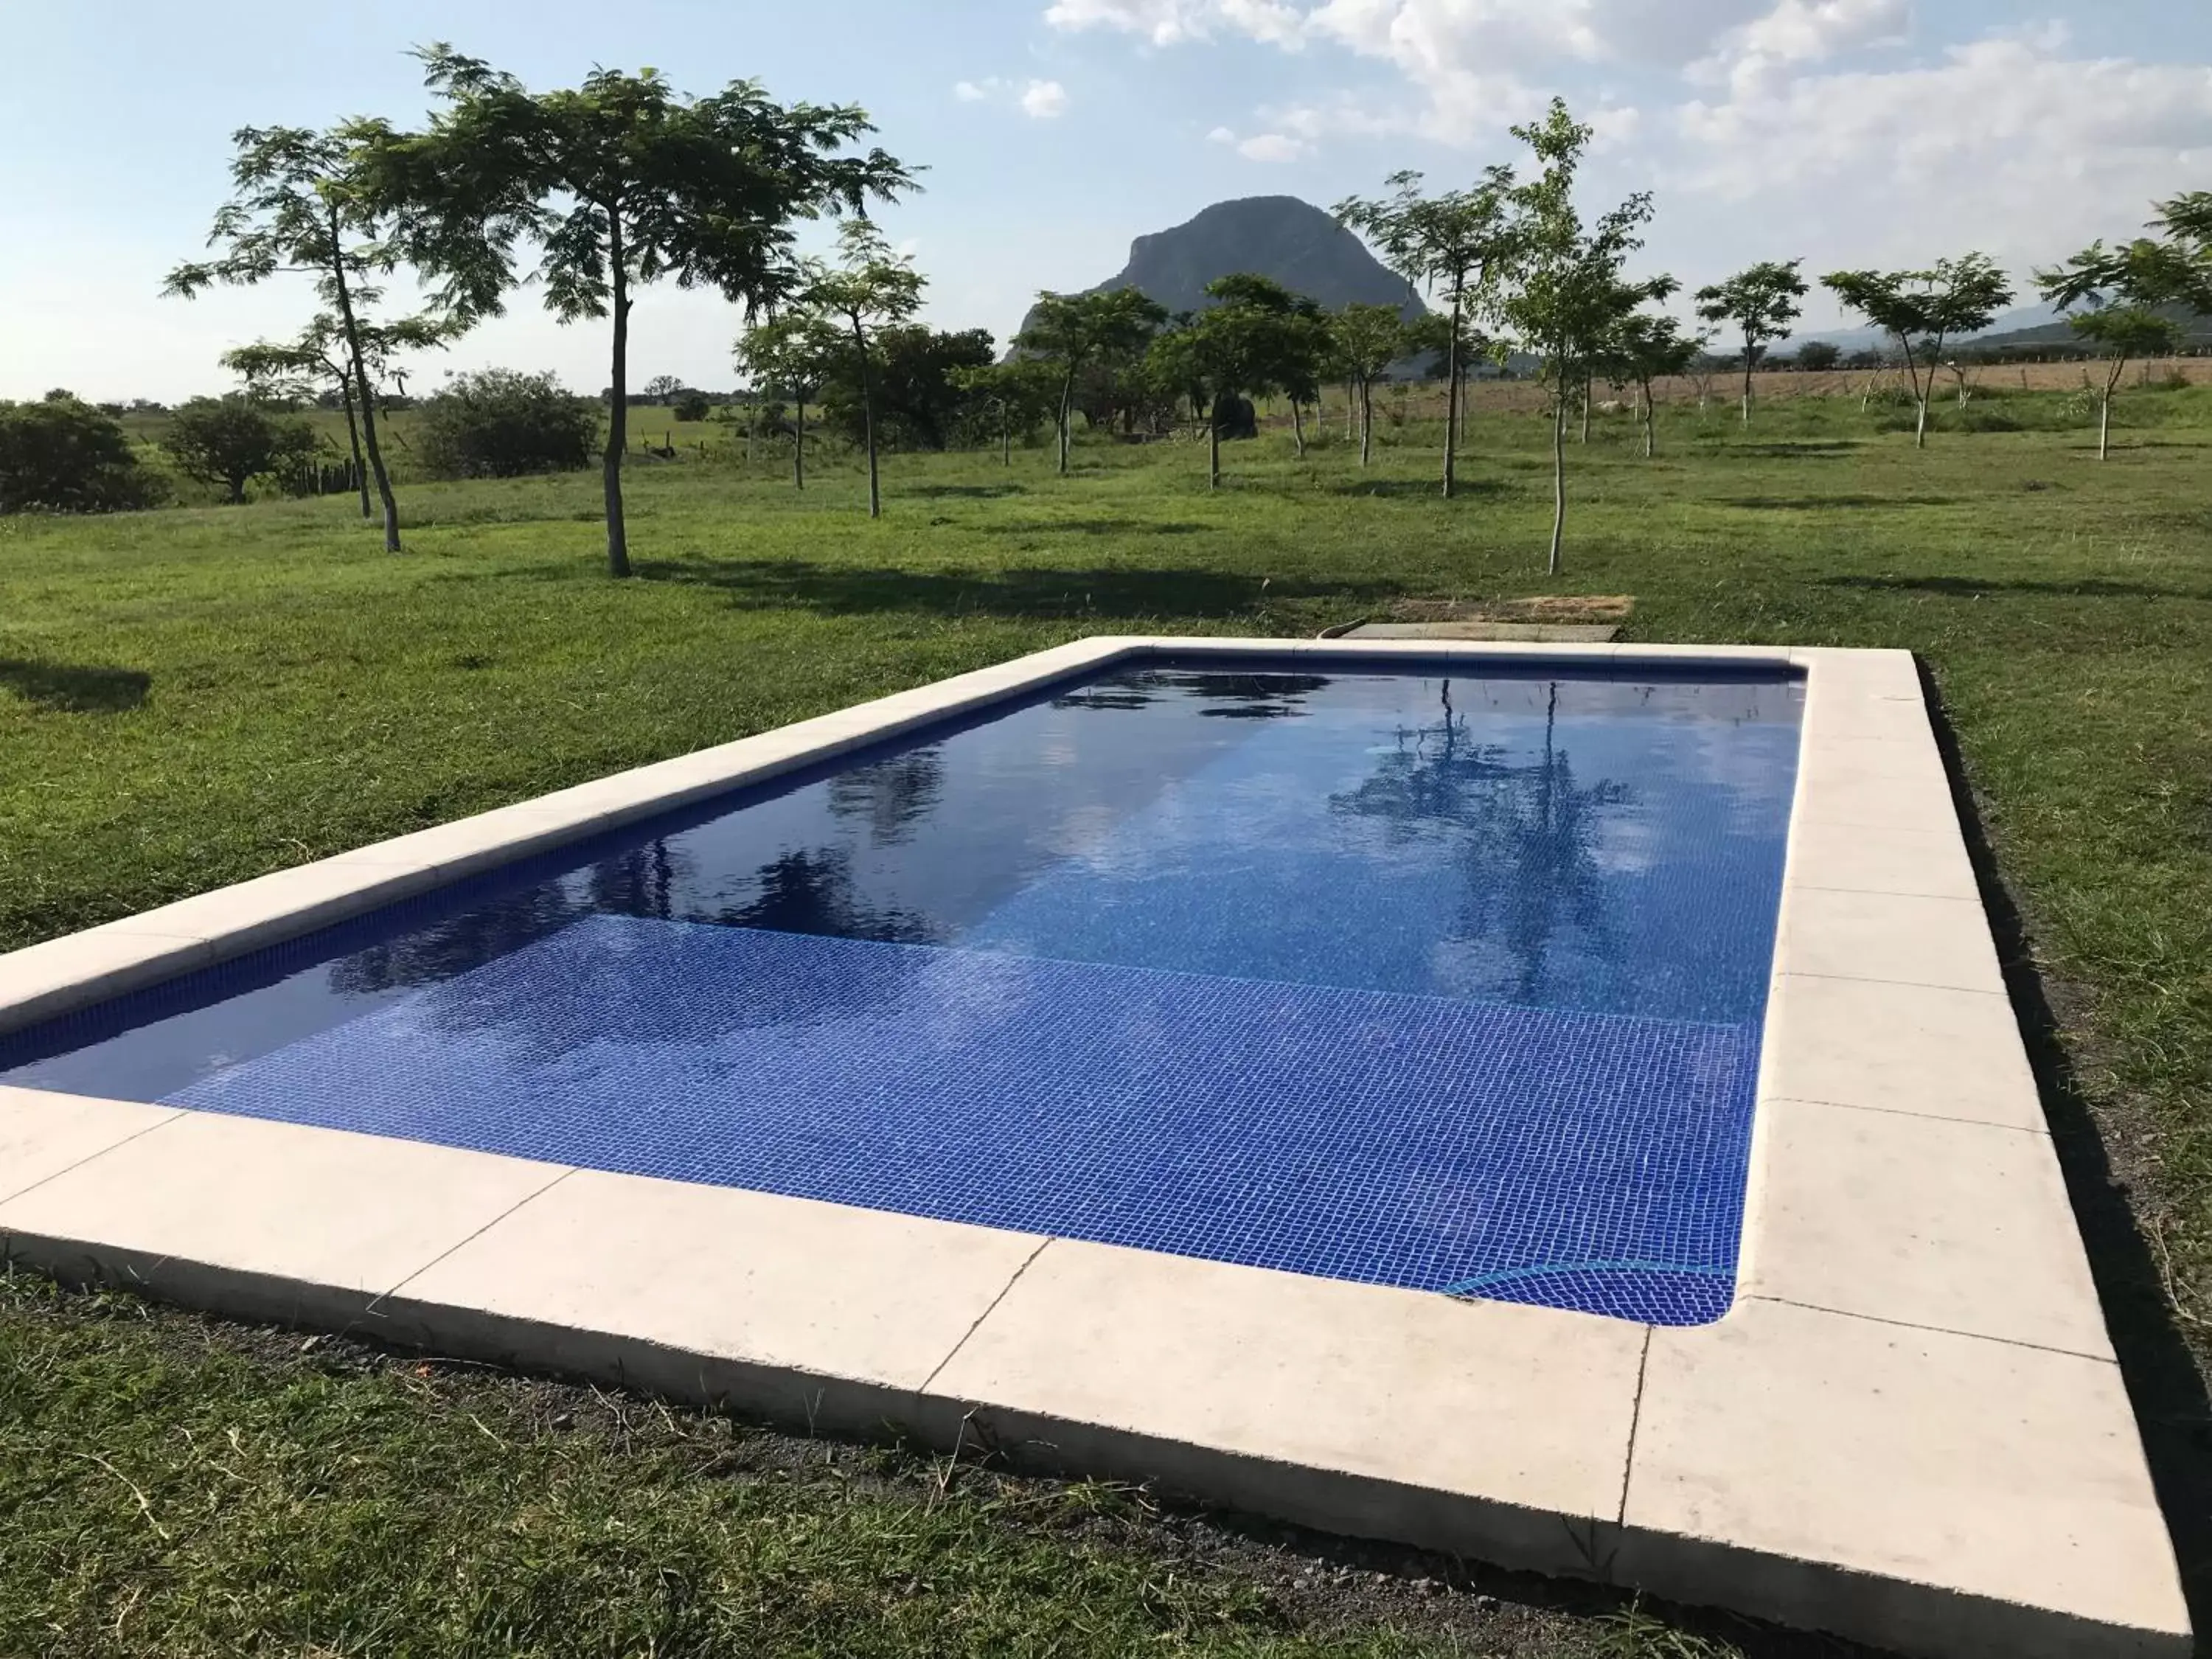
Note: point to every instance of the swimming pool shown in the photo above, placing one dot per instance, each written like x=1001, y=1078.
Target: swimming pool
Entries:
x=1445, y=978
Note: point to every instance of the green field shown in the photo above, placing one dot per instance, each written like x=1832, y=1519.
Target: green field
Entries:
x=196, y=696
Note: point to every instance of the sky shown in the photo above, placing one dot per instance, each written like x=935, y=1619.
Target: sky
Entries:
x=1845, y=132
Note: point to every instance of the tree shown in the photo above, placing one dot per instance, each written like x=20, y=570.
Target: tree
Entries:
x=1761, y=303
x=2125, y=287
x=791, y=357
x=1818, y=356
x=663, y=389
x=920, y=401
x=1564, y=296
x=228, y=441
x=619, y=183
x=62, y=455
x=497, y=423
x=1073, y=330
x=1643, y=348
x=1452, y=242
x=1925, y=309
x=691, y=404
x=1016, y=396
x=1365, y=340
x=870, y=287
x=307, y=204
x=1240, y=344
x=323, y=351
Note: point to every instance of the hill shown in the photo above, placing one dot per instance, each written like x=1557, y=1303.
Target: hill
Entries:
x=1293, y=242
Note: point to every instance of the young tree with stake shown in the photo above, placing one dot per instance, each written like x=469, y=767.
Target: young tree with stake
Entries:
x=1925, y=309
x=2125, y=288
x=1071, y=331
x=1644, y=349
x=791, y=355
x=869, y=288
x=1451, y=243
x=1761, y=303
x=1564, y=293
x=620, y=182
x=307, y=204
x=1365, y=340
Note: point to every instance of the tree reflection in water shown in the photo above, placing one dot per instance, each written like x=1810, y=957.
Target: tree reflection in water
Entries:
x=1524, y=834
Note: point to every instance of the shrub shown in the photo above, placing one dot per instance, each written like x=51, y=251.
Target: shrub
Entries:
x=498, y=423
x=63, y=456
x=230, y=443
x=1818, y=356
x=691, y=405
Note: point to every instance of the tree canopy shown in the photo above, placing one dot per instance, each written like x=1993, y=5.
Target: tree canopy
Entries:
x=308, y=203
x=1453, y=244
x=618, y=183
x=1074, y=331
x=1761, y=303
x=1922, y=309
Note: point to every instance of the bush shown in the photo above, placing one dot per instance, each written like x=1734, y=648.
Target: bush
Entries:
x=498, y=423
x=65, y=456
x=230, y=443
x=691, y=405
x=1818, y=356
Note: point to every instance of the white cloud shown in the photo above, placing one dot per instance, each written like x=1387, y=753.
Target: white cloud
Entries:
x=1164, y=22
x=1043, y=100
x=1798, y=32
x=1040, y=101
x=1263, y=146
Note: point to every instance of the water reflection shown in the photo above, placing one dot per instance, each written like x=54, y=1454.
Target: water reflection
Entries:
x=1521, y=830
x=1589, y=844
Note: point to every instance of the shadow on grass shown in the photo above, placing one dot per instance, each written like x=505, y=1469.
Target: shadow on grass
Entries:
x=2164, y=1386
x=71, y=690
x=835, y=590
x=965, y=492
x=1968, y=588
x=1093, y=527
x=1803, y=449
x=1821, y=503
x=1422, y=489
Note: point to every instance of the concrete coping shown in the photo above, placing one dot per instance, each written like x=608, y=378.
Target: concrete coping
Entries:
x=1911, y=1429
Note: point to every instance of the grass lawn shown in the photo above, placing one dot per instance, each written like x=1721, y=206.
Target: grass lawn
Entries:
x=198, y=696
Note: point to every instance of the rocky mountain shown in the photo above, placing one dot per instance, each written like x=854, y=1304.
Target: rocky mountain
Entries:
x=1293, y=242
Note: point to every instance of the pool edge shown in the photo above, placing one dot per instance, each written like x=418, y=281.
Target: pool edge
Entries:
x=1800, y=1461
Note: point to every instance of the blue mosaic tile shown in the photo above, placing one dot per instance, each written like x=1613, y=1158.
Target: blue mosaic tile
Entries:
x=1523, y=1154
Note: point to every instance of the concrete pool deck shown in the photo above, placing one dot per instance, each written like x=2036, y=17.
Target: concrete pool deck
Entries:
x=1912, y=1428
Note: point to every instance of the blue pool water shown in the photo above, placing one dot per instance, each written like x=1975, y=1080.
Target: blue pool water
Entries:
x=1396, y=975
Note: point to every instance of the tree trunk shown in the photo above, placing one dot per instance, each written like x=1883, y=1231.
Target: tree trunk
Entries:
x=1451, y=405
x=1354, y=390
x=618, y=415
x=1005, y=437
x=1298, y=428
x=1213, y=446
x=2105, y=427
x=799, y=440
x=1066, y=401
x=1366, y=422
x=1750, y=363
x=353, y=442
x=868, y=418
x=1559, y=478
x=1650, y=424
x=352, y=327
x=1589, y=389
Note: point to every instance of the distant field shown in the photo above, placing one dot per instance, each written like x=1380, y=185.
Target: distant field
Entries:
x=192, y=696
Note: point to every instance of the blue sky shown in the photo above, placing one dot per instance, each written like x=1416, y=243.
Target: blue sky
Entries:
x=1846, y=132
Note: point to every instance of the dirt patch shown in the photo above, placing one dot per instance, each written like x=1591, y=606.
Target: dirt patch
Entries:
x=1569, y=610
